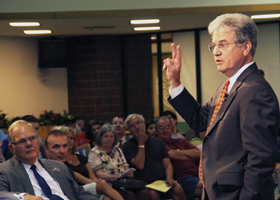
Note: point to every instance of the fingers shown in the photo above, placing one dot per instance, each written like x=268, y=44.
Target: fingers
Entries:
x=167, y=63
x=178, y=54
x=171, y=184
x=173, y=49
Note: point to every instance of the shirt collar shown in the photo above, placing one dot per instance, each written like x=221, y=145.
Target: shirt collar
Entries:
x=237, y=74
x=37, y=164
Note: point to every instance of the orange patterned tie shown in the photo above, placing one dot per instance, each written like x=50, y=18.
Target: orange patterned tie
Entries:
x=217, y=108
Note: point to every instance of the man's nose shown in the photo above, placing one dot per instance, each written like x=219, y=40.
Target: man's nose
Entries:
x=216, y=50
x=28, y=143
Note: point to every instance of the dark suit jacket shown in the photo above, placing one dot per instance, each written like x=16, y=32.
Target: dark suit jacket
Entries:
x=239, y=152
x=13, y=178
x=7, y=196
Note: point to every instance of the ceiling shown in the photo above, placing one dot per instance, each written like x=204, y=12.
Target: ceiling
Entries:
x=117, y=22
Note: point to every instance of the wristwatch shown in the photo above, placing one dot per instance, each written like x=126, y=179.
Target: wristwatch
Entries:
x=141, y=146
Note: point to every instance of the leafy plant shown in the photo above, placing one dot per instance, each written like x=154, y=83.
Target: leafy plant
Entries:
x=51, y=118
x=4, y=122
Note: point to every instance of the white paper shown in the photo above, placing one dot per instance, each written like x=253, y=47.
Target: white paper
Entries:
x=130, y=170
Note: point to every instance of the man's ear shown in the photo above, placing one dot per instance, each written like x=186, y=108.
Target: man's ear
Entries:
x=10, y=146
x=247, y=48
x=46, y=148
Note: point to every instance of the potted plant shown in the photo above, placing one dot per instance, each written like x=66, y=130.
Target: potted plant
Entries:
x=4, y=122
x=47, y=120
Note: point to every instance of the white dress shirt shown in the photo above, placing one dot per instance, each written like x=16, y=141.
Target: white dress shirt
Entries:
x=55, y=187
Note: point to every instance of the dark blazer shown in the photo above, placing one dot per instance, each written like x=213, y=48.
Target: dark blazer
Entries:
x=239, y=152
x=14, y=178
x=7, y=196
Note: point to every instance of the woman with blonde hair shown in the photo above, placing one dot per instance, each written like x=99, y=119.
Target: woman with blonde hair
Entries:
x=81, y=168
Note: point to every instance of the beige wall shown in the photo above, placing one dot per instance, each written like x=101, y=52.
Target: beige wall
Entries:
x=26, y=89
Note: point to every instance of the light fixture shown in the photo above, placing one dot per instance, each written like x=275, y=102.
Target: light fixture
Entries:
x=20, y=24
x=145, y=21
x=37, y=32
x=265, y=16
x=151, y=28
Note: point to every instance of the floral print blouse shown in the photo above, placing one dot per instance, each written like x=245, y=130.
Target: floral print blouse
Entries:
x=111, y=162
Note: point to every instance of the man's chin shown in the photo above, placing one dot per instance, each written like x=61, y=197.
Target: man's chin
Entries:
x=61, y=159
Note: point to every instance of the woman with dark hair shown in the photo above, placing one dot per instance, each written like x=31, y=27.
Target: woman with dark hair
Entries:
x=91, y=131
x=150, y=128
x=108, y=161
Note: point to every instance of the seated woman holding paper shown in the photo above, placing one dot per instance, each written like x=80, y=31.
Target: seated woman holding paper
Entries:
x=108, y=161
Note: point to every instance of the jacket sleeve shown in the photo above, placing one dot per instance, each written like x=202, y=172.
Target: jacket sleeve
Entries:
x=191, y=111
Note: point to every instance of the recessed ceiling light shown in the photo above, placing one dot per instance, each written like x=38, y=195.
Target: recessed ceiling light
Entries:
x=265, y=16
x=152, y=28
x=145, y=21
x=37, y=31
x=24, y=24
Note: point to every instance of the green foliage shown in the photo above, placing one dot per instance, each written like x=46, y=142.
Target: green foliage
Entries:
x=4, y=122
x=51, y=118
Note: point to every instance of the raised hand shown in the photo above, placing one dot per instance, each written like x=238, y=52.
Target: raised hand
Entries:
x=173, y=66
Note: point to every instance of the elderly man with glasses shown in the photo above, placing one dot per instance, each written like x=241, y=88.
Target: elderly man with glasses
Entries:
x=149, y=156
x=184, y=157
x=32, y=178
x=241, y=119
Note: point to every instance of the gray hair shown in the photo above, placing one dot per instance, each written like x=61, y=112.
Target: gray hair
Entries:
x=128, y=118
x=163, y=118
x=104, y=129
x=18, y=124
x=244, y=27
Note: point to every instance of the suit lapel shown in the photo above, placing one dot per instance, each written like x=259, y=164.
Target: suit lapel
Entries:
x=57, y=175
x=23, y=176
x=231, y=95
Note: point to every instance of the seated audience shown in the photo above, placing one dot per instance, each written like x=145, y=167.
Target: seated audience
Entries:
x=118, y=124
x=183, y=156
x=92, y=129
x=150, y=128
x=108, y=161
x=149, y=156
x=33, y=178
x=173, y=117
x=56, y=146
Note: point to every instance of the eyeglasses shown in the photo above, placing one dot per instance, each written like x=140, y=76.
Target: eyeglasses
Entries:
x=108, y=136
x=221, y=46
x=135, y=124
x=162, y=128
x=22, y=142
